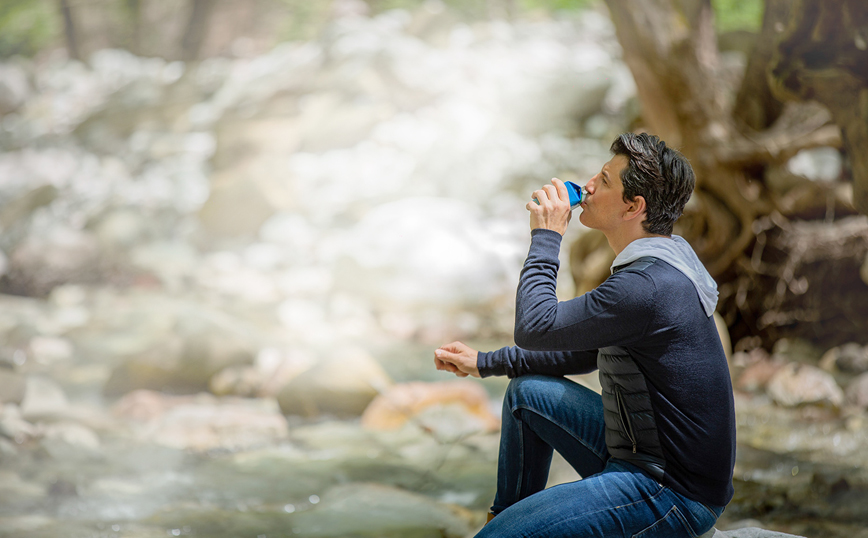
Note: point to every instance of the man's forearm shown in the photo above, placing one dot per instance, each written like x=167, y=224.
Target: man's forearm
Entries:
x=515, y=361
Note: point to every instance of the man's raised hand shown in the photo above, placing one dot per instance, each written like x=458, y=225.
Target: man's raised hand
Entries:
x=550, y=207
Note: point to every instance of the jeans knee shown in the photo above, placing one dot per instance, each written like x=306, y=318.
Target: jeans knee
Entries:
x=525, y=391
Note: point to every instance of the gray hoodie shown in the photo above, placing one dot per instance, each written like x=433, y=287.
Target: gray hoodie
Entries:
x=678, y=253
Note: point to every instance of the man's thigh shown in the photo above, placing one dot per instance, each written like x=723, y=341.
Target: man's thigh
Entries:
x=620, y=501
x=562, y=413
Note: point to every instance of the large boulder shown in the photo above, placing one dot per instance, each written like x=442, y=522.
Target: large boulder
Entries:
x=12, y=386
x=747, y=532
x=43, y=399
x=797, y=384
x=58, y=255
x=342, y=385
x=202, y=422
x=857, y=391
x=407, y=401
x=379, y=510
x=183, y=362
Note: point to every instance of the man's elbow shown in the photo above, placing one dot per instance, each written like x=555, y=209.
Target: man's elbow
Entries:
x=526, y=339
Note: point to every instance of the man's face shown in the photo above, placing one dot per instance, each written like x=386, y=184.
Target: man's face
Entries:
x=605, y=205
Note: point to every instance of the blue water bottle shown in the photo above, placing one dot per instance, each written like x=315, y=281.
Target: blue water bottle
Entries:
x=577, y=194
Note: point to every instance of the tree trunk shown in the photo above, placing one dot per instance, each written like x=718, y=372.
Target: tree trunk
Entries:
x=823, y=56
x=735, y=141
x=69, y=30
x=197, y=28
x=134, y=16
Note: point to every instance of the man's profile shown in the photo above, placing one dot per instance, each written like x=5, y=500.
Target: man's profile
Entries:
x=656, y=449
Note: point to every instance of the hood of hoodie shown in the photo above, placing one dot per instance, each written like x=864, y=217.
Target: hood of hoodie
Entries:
x=678, y=253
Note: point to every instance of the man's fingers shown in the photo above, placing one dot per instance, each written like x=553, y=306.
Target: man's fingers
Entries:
x=446, y=366
x=563, y=193
x=540, y=196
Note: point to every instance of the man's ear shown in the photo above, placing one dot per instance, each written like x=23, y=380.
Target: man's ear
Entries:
x=635, y=208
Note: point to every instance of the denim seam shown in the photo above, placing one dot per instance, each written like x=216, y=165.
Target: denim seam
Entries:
x=520, y=459
x=677, y=514
x=715, y=516
x=558, y=424
x=651, y=498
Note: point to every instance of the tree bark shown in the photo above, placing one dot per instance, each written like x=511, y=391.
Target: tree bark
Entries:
x=69, y=30
x=747, y=233
x=197, y=28
x=823, y=56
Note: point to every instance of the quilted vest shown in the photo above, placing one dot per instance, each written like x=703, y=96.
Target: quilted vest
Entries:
x=631, y=430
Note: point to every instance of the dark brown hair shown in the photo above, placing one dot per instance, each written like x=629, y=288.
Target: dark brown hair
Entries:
x=658, y=173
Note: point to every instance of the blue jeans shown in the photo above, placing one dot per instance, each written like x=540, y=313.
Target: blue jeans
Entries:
x=614, y=498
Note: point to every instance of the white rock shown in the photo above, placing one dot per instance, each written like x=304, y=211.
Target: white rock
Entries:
x=64, y=439
x=14, y=427
x=14, y=87
x=121, y=228
x=229, y=424
x=50, y=349
x=43, y=397
x=59, y=254
x=379, y=510
x=796, y=384
x=342, y=385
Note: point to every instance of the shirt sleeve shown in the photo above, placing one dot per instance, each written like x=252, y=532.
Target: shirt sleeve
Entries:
x=615, y=313
x=515, y=361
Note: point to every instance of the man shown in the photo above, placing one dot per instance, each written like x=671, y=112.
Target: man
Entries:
x=656, y=450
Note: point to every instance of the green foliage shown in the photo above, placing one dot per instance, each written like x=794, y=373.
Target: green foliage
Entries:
x=307, y=17
x=738, y=14
x=554, y=5
x=26, y=26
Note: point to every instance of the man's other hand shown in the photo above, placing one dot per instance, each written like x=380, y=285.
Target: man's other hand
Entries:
x=457, y=358
x=553, y=210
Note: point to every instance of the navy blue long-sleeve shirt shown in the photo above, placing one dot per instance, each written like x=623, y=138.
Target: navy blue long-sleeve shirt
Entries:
x=657, y=316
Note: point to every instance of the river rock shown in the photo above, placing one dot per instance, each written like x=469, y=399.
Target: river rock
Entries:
x=406, y=401
x=857, y=391
x=21, y=207
x=14, y=87
x=202, y=421
x=60, y=254
x=850, y=358
x=69, y=439
x=48, y=350
x=13, y=427
x=759, y=372
x=183, y=362
x=384, y=511
x=121, y=228
x=147, y=405
x=797, y=349
x=43, y=398
x=236, y=206
x=12, y=386
x=342, y=385
x=272, y=370
x=797, y=384
x=232, y=424
x=747, y=532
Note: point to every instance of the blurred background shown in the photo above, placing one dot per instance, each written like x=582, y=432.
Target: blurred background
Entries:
x=233, y=232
